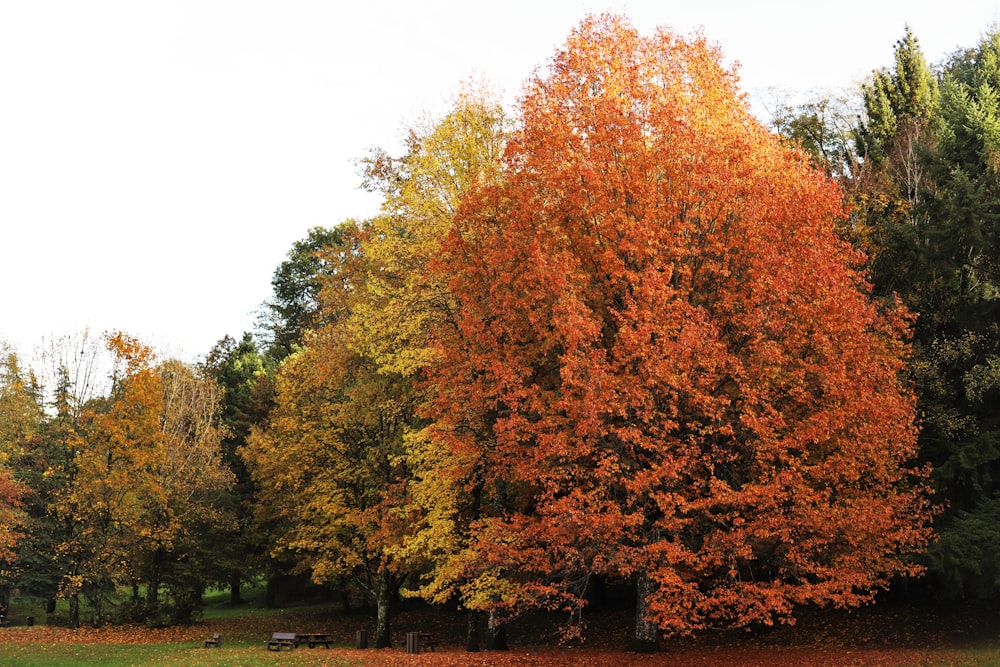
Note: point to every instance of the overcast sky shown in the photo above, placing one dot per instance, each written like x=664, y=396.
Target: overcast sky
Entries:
x=158, y=159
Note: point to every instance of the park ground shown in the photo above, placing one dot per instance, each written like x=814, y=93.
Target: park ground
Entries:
x=886, y=634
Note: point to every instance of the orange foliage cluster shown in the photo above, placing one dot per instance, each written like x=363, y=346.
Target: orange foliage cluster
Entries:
x=11, y=515
x=666, y=365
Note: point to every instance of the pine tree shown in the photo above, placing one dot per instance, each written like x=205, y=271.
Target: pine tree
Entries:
x=957, y=355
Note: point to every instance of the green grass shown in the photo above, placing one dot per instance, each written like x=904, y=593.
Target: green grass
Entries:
x=165, y=655
x=186, y=655
x=218, y=605
x=37, y=655
x=245, y=626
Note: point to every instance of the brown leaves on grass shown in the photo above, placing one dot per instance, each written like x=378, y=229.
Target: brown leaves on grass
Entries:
x=137, y=634
x=550, y=657
x=884, y=635
x=881, y=637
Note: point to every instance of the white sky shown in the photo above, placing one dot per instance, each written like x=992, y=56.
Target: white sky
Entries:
x=158, y=159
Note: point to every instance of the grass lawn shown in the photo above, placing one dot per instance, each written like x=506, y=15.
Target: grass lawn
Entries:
x=186, y=655
x=168, y=655
x=51, y=655
x=879, y=636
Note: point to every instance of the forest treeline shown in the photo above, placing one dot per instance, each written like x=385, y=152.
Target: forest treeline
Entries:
x=621, y=334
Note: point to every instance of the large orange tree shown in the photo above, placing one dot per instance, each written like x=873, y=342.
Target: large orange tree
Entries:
x=665, y=359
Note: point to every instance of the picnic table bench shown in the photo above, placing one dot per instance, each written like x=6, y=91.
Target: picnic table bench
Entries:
x=214, y=642
x=313, y=639
x=279, y=640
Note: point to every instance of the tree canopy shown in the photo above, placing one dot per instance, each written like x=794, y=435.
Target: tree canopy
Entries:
x=667, y=361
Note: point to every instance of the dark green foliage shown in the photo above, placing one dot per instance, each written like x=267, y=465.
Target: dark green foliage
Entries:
x=45, y=466
x=959, y=382
x=246, y=377
x=895, y=100
x=967, y=191
x=297, y=283
x=964, y=560
x=932, y=155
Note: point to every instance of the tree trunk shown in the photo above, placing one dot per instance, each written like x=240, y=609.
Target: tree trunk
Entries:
x=270, y=593
x=50, y=610
x=496, y=634
x=597, y=591
x=153, y=594
x=647, y=634
x=97, y=605
x=383, y=597
x=74, y=611
x=472, y=632
x=235, y=581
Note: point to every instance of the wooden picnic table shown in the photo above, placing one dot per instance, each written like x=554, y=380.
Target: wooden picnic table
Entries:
x=280, y=640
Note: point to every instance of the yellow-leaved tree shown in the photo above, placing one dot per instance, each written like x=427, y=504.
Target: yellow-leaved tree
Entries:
x=119, y=440
x=331, y=468
x=344, y=465
x=189, y=504
x=398, y=301
x=145, y=484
